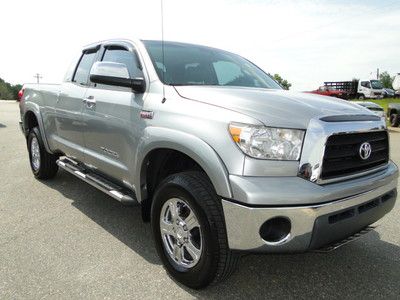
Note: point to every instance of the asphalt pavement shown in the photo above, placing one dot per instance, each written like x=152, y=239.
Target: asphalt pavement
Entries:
x=63, y=239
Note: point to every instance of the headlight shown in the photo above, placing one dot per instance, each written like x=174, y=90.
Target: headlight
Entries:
x=267, y=142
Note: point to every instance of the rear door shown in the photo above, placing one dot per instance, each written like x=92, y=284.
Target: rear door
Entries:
x=68, y=109
x=112, y=119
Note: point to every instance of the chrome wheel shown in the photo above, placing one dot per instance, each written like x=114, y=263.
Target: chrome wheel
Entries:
x=181, y=233
x=35, y=154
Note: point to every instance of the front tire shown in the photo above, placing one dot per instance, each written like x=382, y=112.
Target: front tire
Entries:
x=361, y=97
x=395, y=120
x=43, y=164
x=199, y=255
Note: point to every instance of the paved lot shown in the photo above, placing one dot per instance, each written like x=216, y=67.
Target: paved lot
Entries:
x=64, y=239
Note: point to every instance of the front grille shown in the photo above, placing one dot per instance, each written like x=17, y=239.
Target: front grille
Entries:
x=342, y=153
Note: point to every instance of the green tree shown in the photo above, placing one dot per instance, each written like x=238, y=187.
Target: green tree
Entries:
x=15, y=89
x=9, y=91
x=283, y=82
x=386, y=80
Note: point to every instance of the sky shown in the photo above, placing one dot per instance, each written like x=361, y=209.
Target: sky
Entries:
x=306, y=42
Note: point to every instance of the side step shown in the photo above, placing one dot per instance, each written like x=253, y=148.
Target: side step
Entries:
x=117, y=192
x=351, y=238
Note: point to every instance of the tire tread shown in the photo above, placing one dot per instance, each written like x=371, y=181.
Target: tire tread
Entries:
x=395, y=120
x=228, y=259
x=48, y=166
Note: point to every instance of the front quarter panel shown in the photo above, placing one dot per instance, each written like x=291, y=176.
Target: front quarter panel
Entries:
x=195, y=148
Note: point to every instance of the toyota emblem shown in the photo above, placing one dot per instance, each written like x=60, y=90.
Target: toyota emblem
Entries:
x=365, y=150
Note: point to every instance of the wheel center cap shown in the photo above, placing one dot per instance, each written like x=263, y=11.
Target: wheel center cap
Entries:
x=181, y=234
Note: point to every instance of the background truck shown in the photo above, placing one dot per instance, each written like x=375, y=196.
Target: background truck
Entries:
x=361, y=89
x=330, y=92
x=396, y=85
x=221, y=160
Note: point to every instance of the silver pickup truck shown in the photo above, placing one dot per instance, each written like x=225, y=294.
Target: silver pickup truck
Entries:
x=221, y=160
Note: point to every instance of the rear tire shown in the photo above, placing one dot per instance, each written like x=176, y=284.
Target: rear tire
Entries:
x=216, y=261
x=43, y=163
x=395, y=120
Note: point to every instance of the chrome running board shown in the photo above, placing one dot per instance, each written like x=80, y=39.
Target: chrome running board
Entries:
x=117, y=192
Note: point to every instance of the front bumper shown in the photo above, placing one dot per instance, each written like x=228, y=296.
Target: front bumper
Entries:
x=312, y=226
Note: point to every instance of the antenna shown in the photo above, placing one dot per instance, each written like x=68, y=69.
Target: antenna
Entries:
x=162, y=51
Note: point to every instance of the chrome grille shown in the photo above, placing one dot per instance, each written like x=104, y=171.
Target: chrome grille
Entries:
x=342, y=157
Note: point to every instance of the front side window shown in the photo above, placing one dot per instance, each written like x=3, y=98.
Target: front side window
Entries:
x=85, y=64
x=121, y=55
x=185, y=64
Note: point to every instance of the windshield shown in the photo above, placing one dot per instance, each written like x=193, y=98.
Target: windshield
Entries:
x=186, y=64
x=376, y=84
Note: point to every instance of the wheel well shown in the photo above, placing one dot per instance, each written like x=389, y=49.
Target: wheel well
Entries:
x=159, y=164
x=30, y=121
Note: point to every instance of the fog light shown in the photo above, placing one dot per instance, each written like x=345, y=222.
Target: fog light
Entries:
x=276, y=231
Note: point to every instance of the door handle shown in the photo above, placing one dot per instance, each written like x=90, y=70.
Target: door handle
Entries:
x=90, y=101
x=58, y=96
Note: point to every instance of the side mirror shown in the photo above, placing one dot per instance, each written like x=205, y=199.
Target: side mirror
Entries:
x=115, y=74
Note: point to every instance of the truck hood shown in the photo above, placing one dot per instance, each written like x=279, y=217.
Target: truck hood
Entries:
x=278, y=108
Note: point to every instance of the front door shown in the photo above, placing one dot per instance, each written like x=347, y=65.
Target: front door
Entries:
x=112, y=121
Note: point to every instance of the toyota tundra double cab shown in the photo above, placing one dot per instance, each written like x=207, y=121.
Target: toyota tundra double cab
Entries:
x=221, y=160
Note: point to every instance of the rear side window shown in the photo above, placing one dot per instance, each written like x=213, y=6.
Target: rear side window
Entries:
x=85, y=64
x=123, y=56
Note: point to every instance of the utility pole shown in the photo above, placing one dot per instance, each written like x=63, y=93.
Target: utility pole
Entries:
x=38, y=77
x=377, y=73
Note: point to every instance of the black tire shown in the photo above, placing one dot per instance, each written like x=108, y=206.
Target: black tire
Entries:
x=361, y=97
x=394, y=120
x=217, y=261
x=47, y=168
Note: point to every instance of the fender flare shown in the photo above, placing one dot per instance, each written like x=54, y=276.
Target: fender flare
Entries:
x=192, y=146
x=35, y=109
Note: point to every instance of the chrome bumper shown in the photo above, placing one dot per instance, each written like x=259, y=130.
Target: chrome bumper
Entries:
x=308, y=228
